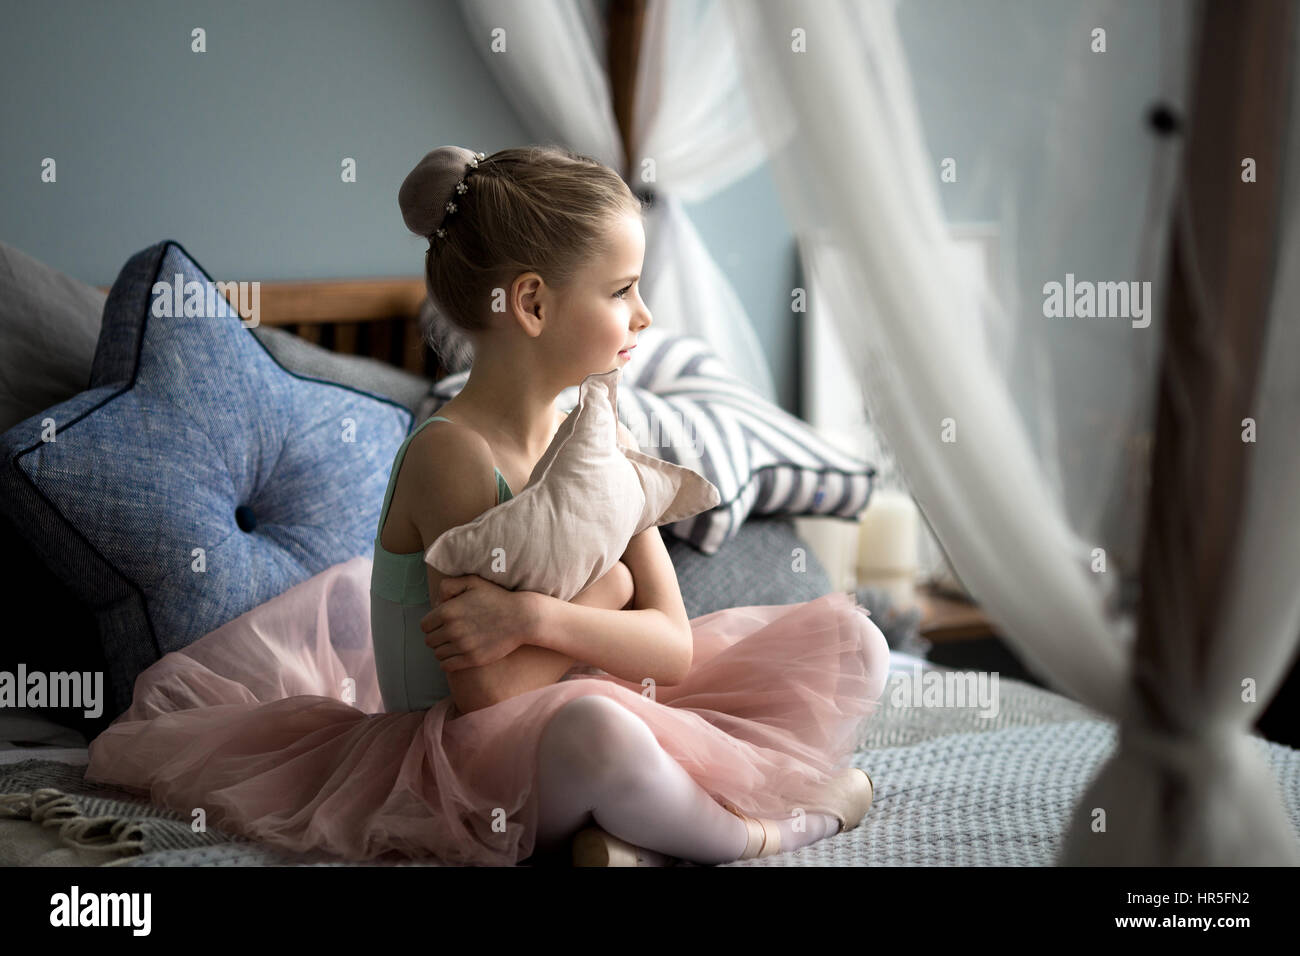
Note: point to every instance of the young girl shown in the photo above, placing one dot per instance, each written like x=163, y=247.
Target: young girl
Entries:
x=512, y=721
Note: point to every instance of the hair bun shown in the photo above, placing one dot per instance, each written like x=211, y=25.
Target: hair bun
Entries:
x=427, y=188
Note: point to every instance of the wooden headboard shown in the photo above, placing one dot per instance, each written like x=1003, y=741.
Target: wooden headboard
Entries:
x=378, y=318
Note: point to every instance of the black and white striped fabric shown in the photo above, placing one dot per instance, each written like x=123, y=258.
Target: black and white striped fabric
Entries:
x=684, y=405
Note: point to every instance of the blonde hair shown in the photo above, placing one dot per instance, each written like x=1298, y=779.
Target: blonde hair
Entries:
x=543, y=209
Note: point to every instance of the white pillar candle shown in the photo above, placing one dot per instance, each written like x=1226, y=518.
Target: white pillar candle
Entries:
x=887, y=545
x=835, y=542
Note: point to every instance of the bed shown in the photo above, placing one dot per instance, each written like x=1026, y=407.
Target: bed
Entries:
x=955, y=788
x=955, y=785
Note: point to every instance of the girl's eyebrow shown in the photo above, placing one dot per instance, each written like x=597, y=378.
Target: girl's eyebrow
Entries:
x=627, y=279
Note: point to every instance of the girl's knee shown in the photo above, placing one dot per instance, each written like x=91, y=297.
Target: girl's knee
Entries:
x=875, y=654
x=595, y=733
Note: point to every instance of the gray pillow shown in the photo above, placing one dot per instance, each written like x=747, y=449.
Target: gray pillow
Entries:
x=356, y=371
x=49, y=325
x=755, y=566
x=759, y=569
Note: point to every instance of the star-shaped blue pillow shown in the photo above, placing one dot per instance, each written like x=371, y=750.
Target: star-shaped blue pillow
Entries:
x=195, y=478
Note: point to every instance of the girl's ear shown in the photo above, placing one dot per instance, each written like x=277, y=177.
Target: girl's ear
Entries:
x=525, y=303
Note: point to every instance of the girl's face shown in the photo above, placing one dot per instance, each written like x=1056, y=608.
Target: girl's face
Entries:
x=601, y=313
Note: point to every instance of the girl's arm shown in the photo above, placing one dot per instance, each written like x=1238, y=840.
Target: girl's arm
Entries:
x=613, y=591
x=531, y=665
x=653, y=640
x=455, y=478
x=645, y=574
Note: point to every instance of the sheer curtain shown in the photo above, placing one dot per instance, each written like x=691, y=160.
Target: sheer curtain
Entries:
x=1023, y=435
x=693, y=136
x=548, y=57
x=693, y=133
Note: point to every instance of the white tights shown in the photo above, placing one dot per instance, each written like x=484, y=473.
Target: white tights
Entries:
x=598, y=763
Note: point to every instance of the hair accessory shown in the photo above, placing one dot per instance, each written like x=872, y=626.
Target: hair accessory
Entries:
x=428, y=193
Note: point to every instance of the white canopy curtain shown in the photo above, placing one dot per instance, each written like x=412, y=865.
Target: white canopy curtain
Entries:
x=1038, y=411
x=692, y=131
x=691, y=123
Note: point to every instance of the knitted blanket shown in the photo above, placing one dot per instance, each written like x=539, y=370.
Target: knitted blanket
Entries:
x=955, y=787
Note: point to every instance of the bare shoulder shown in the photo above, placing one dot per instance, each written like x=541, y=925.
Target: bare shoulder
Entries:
x=451, y=478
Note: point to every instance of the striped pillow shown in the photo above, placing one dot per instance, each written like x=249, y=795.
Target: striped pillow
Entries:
x=684, y=405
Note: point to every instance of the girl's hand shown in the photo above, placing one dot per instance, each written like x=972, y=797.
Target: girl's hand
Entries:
x=478, y=622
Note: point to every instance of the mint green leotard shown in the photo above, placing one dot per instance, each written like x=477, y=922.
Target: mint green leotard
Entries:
x=410, y=677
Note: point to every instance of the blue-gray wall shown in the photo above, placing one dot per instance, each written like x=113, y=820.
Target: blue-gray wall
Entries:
x=236, y=152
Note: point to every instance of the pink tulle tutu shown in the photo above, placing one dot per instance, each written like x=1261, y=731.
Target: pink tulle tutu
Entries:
x=273, y=724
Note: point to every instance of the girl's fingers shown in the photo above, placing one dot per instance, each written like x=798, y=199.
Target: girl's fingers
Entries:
x=450, y=587
x=446, y=650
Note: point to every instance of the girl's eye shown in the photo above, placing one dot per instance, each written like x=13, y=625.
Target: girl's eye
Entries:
x=622, y=293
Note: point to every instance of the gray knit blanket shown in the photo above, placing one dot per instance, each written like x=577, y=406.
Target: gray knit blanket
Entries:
x=953, y=788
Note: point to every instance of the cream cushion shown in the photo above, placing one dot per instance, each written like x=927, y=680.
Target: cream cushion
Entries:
x=586, y=498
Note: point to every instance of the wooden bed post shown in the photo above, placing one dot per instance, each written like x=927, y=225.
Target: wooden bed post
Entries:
x=1222, y=262
x=622, y=54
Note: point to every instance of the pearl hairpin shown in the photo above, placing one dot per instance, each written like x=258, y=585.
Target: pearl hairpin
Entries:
x=460, y=190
